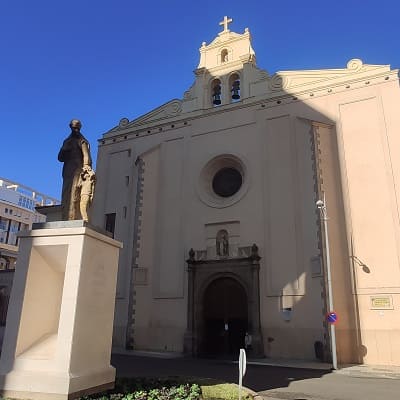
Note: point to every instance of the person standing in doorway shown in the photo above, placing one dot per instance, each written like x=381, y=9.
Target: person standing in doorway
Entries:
x=247, y=341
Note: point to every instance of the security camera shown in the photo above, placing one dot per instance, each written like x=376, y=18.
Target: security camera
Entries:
x=319, y=203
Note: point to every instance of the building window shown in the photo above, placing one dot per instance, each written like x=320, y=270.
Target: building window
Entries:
x=223, y=181
x=4, y=299
x=110, y=223
x=3, y=224
x=227, y=181
x=224, y=56
x=14, y=228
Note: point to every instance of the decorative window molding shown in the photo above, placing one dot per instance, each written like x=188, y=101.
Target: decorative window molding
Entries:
x=228, y=162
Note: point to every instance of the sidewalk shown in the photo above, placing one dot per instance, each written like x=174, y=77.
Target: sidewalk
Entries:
x=355, y=370
x=289, y=363
x=370, y=371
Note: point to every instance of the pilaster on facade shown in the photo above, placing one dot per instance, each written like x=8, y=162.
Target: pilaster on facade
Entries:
x=135, y=253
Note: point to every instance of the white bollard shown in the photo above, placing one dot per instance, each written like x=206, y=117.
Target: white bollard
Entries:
x=242, y=370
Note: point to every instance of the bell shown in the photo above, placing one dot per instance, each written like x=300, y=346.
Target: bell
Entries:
x=217, y=95
x=235, y=94
x=217, y=99
x=236, y=90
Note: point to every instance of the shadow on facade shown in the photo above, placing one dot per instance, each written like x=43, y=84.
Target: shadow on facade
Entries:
x=209, y=333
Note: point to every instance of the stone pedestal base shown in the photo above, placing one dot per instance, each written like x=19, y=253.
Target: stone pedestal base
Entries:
x=57, y=342
x=35, y=386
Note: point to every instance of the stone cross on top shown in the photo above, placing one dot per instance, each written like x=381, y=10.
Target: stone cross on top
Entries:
x=225, y=23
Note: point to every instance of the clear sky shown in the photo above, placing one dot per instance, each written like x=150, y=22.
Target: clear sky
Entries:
x=102, y=60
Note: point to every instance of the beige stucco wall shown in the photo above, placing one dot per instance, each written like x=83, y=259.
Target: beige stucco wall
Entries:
x=174, y=219
x=369, y=145
x=298, y=134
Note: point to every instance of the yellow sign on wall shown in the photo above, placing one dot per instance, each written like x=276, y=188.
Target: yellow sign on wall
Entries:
x=381, y=302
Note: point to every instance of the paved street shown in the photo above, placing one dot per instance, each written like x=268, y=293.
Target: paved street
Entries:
x=269, y=381
x=334, y=386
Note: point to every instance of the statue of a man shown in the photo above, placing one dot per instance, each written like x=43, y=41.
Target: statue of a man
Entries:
x=75, y=154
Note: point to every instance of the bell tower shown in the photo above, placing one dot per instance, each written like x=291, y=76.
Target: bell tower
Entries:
x=225, y=70
x=229, y=50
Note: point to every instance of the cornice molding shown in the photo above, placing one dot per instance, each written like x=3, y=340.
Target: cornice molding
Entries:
x=299, y=80
x=295, y=86
x=224, y=38
x=167, y=110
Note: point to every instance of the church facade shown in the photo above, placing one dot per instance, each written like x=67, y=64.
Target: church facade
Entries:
x=214, y=198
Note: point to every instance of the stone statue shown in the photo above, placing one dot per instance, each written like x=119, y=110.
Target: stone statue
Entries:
x=87, y=180
x=75, y=154
x=222, y=243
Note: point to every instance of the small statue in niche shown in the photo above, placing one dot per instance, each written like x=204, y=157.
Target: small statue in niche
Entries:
x=87, y=180
x=222, y=243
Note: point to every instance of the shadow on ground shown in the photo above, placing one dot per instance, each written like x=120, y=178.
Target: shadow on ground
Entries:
x=258, y=377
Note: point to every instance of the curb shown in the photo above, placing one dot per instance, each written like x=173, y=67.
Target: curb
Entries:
x=368, y=374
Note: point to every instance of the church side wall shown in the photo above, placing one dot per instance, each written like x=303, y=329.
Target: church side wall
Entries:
x=115, y=166
x=330, y=185
x=369, y=145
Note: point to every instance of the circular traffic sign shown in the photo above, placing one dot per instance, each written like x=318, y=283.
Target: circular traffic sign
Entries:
x=332, y=317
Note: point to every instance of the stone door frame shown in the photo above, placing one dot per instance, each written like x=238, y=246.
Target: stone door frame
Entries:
x=200, y=274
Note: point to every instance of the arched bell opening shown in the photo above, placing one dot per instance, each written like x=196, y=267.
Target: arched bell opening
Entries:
x=224, y=56
x=216, y=90
x=234, y=84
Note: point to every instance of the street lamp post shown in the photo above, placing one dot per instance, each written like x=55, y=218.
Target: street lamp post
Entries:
x=321, y=205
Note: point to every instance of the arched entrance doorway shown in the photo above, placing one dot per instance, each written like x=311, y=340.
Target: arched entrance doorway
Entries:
x=225, y=318
x=218, y=291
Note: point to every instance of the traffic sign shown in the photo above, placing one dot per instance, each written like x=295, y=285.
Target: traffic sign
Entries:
x=332, y=317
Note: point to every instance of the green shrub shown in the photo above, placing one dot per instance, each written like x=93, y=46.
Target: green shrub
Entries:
x=168, y=389
x=225, y=391
x=149, y=389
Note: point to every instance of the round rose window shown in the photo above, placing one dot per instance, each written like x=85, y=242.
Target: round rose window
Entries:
x=227, y=181
x=223, y=180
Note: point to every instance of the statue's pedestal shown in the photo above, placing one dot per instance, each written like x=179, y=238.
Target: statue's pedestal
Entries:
x=57, y=343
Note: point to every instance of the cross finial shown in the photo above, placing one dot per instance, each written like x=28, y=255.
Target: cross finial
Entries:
x=225, y=23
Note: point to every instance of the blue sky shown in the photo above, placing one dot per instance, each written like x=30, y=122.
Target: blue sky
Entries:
x=102, y=60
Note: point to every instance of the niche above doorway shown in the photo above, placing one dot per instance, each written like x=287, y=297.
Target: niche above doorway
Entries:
x=222, y=239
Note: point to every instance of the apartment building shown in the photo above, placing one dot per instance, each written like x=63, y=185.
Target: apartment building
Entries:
x=17, y=213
